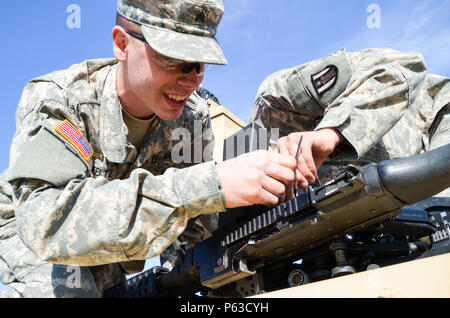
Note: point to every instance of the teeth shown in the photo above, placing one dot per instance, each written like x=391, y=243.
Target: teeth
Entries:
x=176, y=97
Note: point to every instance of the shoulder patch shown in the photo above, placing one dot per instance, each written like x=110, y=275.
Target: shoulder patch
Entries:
x=45, y=156
x=72, y=135
x=325, y=79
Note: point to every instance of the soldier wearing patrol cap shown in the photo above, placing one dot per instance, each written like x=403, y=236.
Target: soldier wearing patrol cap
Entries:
x=93, y=182
x=355, y=108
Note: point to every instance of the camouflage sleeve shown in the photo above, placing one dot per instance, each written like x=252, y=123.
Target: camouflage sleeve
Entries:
x=77, y=219
x=439, y=120
x=92, y=221
x=6, y=207
x=439, y=123
x=362, y=94
x=441, y=129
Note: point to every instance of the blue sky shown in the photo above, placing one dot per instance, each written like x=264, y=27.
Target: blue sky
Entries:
x=258, y=37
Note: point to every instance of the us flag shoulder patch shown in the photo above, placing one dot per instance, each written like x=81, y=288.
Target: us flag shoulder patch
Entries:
x=325, y=79
x=76, y=139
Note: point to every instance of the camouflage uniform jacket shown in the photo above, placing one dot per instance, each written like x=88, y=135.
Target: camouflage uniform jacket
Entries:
x=383, y=102
x=119, y=204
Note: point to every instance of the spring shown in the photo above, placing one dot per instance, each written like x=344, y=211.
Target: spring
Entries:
x=340, y=256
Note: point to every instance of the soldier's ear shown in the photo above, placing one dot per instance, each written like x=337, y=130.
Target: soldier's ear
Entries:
x=120, y=43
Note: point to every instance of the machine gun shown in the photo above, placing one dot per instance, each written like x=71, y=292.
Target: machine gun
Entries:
x=362, y=218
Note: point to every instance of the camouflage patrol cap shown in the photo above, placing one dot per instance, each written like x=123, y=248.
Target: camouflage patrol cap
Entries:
x=179, y=29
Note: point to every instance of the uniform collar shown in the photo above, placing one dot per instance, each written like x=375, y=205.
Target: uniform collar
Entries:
x=113, y=132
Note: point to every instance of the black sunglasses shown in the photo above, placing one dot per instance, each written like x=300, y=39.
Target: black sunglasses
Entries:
x=186, y=70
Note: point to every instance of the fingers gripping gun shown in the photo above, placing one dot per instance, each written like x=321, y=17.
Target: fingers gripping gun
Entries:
x=338, y=224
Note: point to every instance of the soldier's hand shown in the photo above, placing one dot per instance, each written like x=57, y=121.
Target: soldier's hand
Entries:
x=259, y=177
x=316, y=147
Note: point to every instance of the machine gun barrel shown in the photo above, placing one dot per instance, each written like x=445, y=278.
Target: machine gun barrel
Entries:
x=250, y=238
x=415, y=178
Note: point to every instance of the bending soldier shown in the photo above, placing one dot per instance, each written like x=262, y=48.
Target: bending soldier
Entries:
x=354, y=108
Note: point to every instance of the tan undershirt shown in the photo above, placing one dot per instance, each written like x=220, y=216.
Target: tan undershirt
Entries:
x=138, y=128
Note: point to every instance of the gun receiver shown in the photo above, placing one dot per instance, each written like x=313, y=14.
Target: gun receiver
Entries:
x=254, y=240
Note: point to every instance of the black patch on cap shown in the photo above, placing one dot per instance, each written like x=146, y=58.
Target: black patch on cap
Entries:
x=325, y=79
x=201, y=17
